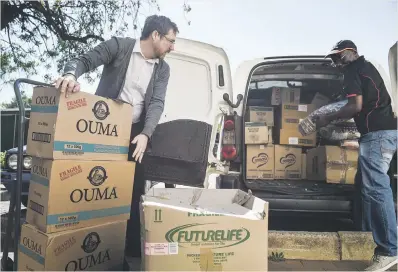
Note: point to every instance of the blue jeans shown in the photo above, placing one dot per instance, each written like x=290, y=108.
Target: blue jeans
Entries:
x=376, y=150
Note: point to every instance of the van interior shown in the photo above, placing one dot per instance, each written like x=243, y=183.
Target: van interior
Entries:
x=311, y=77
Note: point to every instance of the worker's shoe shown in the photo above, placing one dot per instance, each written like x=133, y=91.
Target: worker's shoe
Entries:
x=382, y=263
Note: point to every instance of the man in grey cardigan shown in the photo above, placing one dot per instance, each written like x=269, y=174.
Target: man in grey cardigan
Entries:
x=135, y=72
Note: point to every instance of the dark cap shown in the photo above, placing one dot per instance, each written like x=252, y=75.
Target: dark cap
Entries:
x=341, y=46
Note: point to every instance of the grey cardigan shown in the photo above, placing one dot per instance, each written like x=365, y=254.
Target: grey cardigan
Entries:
x=115, y=55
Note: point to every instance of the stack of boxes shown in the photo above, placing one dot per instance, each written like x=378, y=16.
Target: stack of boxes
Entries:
x=259, y=143
x=81, y=184
x=277, y=150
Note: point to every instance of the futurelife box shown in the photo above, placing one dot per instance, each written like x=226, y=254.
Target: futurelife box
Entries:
x=287, y=162
x=262, y=115
x=260, y=161
x=332, y=164
x=256, y=133
x=203, y=230
x=70, y=194
x=95, y=248
x=83, y=126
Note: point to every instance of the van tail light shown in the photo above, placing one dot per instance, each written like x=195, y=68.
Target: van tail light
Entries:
x=228, y=150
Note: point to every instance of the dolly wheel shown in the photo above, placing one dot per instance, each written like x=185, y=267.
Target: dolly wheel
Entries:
x=7, y=265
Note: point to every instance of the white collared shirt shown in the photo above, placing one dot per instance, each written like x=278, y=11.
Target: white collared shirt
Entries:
x=138, y=76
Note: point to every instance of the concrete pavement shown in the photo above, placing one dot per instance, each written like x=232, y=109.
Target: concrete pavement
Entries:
x=295, y=265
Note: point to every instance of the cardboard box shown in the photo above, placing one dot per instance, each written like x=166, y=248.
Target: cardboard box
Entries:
x=297, y=111
x=285, y=95
x=204, y=230
x=256, y=133
x=83, y=126
x=260, y=161
x=332, y=164
x=270, y=135
x=287, y=162
x=262, y=115
x=319, y=100
x=69, y=194
x=291, y=115
x=304, y=166
x=98, y=248
x=294, y=137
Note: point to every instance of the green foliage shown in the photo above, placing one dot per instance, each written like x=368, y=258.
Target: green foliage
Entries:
x=2, y=159
x=45, y=34
x=277, y=257
x=26, y=100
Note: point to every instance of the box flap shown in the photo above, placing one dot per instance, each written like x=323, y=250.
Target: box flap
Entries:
x=228, y=202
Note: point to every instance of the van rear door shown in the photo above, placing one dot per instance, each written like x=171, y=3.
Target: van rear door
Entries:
x=393, y=64
x=181, y=148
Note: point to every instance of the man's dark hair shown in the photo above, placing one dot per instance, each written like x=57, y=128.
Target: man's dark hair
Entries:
x=161, y=24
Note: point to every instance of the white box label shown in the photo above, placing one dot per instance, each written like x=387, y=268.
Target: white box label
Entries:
x=302, y=108
x=293, y=140
x=161, y=248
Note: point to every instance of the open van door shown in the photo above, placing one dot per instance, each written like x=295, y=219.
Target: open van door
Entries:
x=184, y=146
x=391, y=80
x=393, y=64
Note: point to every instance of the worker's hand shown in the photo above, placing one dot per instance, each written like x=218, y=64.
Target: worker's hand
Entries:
x=141, y=141
x=322, y=121
x=68, y=85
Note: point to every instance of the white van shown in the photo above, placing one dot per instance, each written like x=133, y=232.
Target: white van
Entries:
x=201, y=129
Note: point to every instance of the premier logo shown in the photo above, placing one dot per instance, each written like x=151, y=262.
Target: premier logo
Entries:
x=261, y=159
x=288, y=160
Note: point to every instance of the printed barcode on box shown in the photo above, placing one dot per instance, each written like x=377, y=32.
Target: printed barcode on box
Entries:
x=173, y=248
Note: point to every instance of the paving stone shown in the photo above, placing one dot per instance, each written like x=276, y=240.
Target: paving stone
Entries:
x=302, y=245
x=356, y=245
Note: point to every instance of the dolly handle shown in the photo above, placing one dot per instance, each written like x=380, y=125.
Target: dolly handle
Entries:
x=18, y=184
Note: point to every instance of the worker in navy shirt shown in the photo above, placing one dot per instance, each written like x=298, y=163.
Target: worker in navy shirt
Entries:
x=369, y=104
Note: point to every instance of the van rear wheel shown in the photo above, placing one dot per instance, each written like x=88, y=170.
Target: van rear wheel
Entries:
x=230, y=182
x=24, y=200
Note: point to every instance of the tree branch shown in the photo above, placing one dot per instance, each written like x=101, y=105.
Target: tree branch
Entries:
x=12, y=47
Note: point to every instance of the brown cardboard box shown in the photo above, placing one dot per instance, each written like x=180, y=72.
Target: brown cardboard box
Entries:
x=98, y=248
x=294, y=137
x=83, y=126
x=262, y=114
x=332, y=164
x=270, y=135
x=70, y=194
x=304, y=166
x=203, y=230
x=260, y=161
x=256, y=133
x=287, y=162
x=291, y=115
x=297, y=111
x=319, y=100
x=285, y=95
